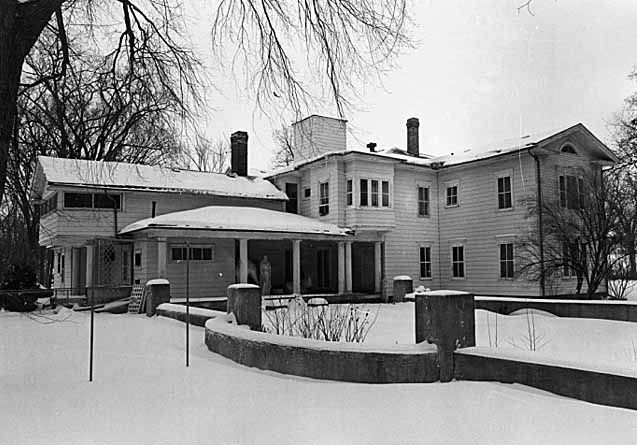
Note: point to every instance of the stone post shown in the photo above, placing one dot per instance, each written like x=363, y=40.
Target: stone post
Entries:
x=244, y=301
x=157, y=292
x=446, y=319
x=403, y=285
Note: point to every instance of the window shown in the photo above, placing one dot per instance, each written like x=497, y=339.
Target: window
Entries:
x=291, y=190
x=61, y=267
x=324, y=198
x=506, y=260
x=363, y=193
x=50, y=205
x=153, y=209
x=425, y=262
x=457, y=261
x=307, y=192
x=574, y=257
x=452, y=196
x=349, y=192
x=571, y=191
x=504, y=193
x=197, y=253
x=568, y=148
x=385, y=193
x=92, y=201
x=374, y=193
x=423, y=201
x=137, y=261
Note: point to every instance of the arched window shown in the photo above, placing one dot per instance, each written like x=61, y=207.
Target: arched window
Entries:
x=568, y=148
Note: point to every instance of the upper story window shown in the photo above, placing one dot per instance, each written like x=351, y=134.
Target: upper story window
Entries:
x=568, y=148
x=423, y=201
x=92, y=201
x=374, y=193
x=324, y=198
x=349, y=192
x=137, y=260
x=457, y=262
x=506, y=260
x=571, y=191
x=291, y=190
x=364, y=197
x=49, y=205
x=452, y=195
x=425, y=262
x=307, y=192
x=504, y=193
x=197, y=253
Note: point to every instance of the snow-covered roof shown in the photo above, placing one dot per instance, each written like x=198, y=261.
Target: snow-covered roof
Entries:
x=502, y=147
x=100, y=174
x=237, y=219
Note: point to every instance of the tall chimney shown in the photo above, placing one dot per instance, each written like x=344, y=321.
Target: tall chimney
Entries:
x=239, y=153
x=412, y=136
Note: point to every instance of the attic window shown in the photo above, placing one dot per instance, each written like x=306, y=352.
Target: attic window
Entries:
x=568, y=148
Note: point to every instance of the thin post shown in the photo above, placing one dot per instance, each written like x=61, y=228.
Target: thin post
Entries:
x=187, y=304
x=90, y=367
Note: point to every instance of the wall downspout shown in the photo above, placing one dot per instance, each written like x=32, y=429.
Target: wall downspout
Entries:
x=538, y=180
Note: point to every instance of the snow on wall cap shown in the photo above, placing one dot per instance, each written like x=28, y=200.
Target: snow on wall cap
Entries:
x=445, y=293
x=402, y=278
x=243, y=286
x=157, y=281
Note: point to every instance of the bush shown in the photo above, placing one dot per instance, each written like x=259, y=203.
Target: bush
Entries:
x=20, y=276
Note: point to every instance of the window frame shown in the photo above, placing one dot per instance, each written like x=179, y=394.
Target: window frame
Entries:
x=425, y=248
x=506, y=262
x=427, y=202
x=504, y=193
x=384, y=194
x=570, y=199
x=119, y=207
x=373, y=194
x=363, y=191
x=137, y=254
x=193, y=247
x=450, y=185
x=324, y=200
x=462, y=262
x=307, y=192
x=349, y=192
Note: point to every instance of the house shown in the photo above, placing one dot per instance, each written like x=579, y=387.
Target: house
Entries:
x=339, y=221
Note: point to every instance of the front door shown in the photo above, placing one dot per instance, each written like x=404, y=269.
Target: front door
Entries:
x=363, y=267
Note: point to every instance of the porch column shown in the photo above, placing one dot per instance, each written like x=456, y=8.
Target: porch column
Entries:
x=76, y=266
x=348, y=267
x=243, y=260
x=341, y=267
x=90, y=255
x=377, y=266
x=162, y=255
x=296, y=267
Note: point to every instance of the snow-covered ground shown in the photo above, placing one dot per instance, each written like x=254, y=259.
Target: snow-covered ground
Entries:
x=143, y=394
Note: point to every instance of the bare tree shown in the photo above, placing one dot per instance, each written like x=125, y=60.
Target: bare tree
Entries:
x=284, y=154
x=580, y=234
x=205, y=156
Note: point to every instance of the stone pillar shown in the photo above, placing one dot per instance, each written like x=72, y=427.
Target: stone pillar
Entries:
x=157, y=292
x=348, y=267
x=162, y=256
x=243, y=261
x=446, y=319
x=403, y=285
x=341, y=267
x=378, y=270
x=244, y=301
x=296, y=267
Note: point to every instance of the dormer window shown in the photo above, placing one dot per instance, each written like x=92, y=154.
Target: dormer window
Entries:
x=568, y=148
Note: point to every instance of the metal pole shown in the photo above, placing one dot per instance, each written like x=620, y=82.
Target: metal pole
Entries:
x=187, y=303
x=90, y=372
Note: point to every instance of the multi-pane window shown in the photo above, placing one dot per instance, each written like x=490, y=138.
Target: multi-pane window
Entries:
x=374, y=193
x=137, y=261
x=425, y=262
x=324, y=198
x=423, y=201
x=291, y=190
x=349, y=192
x=457, y=261
x=452, y=195
x=385, y=193
x=364, y=196
x=504, y=193
x=49, y=205
x=197, y=253
x=506, y=260
x=571, y=191
x=92, y=200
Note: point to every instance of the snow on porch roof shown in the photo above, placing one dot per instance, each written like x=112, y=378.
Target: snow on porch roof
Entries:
x=122, y=175
x=237, y=219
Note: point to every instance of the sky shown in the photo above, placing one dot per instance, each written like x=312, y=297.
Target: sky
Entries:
x=481, y=71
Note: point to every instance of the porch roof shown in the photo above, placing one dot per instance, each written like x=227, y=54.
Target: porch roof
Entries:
x=231, y=221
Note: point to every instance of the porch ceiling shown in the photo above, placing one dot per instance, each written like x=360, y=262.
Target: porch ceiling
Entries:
x=235, y=222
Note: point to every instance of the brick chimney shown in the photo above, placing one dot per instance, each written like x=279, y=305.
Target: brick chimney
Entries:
x=412, y=136
x=239, y=153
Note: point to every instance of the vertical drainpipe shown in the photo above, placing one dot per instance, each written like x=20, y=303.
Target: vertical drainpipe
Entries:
x=538, y=180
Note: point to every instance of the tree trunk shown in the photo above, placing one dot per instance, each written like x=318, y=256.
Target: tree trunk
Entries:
x=632, y=273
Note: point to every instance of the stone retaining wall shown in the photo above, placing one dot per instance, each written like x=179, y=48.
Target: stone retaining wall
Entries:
x=198, y=316
x=349, y=362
